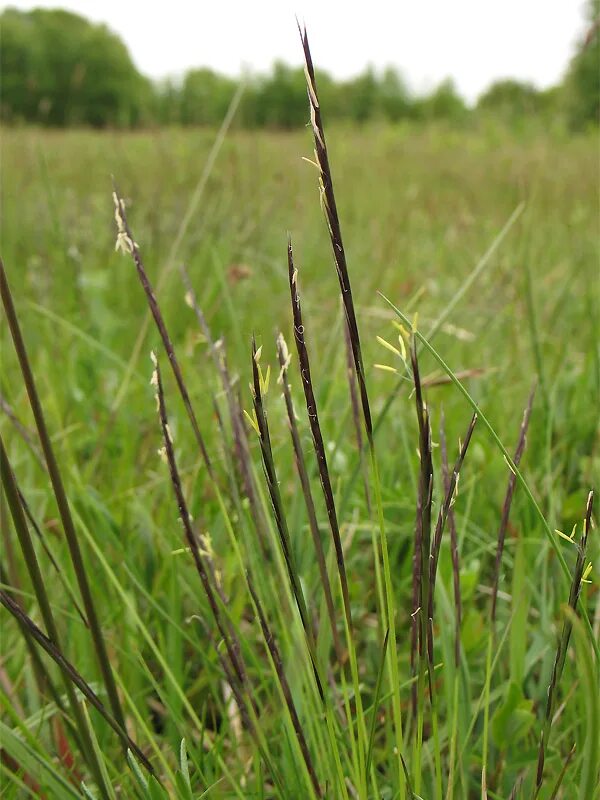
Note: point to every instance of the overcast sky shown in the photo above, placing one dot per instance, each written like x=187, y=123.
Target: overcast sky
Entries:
x=472, y=41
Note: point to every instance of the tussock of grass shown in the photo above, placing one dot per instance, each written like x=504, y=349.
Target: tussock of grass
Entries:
x=334, y=645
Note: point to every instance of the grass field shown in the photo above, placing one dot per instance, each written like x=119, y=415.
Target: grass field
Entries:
x=492, y=238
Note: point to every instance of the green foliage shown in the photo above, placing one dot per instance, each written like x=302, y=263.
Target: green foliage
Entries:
x=582, y=84
x=59, y=69
x=204, y=97
x=444, y=103
x=277, y=101
x=511, y=100
x=513, y=719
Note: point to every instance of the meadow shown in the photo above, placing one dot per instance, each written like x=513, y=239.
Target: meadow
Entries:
x=486, y=240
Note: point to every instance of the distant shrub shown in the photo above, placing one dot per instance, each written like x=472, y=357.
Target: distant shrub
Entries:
x=582, y=84
x=59, y=69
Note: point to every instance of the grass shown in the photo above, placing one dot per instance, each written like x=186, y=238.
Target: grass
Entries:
x=305, y=600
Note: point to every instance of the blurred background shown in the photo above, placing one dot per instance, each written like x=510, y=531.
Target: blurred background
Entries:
x=110, y=64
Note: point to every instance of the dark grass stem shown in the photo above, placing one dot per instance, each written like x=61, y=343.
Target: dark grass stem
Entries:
x=276, y=500
x=285, y=688
x=42, y=539
x=563, y=772
x=127, y=243
x=422, y=562
x=43, y=679
x=283, y=357
x=11, y=493
x=512, y=480
x=329, y=207
x=62, y=502
x=319, y=448
x=453, y=545
x=72, y=676
x=520, y=448
x=563, y=644
x=333, y=223
x=354, y=402
x=450, y=489
x=315, y=428
x=238, y=430
x=203, y=568
x=449, y=498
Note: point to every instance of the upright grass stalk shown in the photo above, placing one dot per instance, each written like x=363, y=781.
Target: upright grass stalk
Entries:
x=563, y=772
x=519, y=450
x=240, y=439
x=278, y=509
x=235, y=671
x=552, y=539
x=317, y=436
x=563, y=644
x=283, y=357
x=319, y=447
x=329, y=206
x=512, y=481
x=285, y=687
x=62, y=502
x=421, y=579
x=127, y=244
x=335, y=232
x=443, y=514
x=354, y=402
x=230, y=639
x=457, y=610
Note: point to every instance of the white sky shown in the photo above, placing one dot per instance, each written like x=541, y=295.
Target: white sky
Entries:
x=472, y=41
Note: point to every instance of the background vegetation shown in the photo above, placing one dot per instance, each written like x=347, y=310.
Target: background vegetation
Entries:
x=58, y=69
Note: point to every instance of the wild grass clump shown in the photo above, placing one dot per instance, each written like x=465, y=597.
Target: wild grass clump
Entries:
x=297, y=636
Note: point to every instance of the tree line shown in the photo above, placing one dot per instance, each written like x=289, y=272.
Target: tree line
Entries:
x=58, y=69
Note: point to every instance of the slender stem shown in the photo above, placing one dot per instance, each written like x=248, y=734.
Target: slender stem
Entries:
x=62, y=502
x=283, y=356
x=12, y=495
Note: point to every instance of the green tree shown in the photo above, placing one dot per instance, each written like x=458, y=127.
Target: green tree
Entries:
x=393, y=96
x=60, y=69
x=205, y=97
x=280, y=99
x=167, y=104
x=360, y=96
x=582, y=82
x=444, y=103
x=510, y=99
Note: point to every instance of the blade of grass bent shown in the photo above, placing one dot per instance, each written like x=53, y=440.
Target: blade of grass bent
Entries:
x=71, y=673
x=61, y=500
